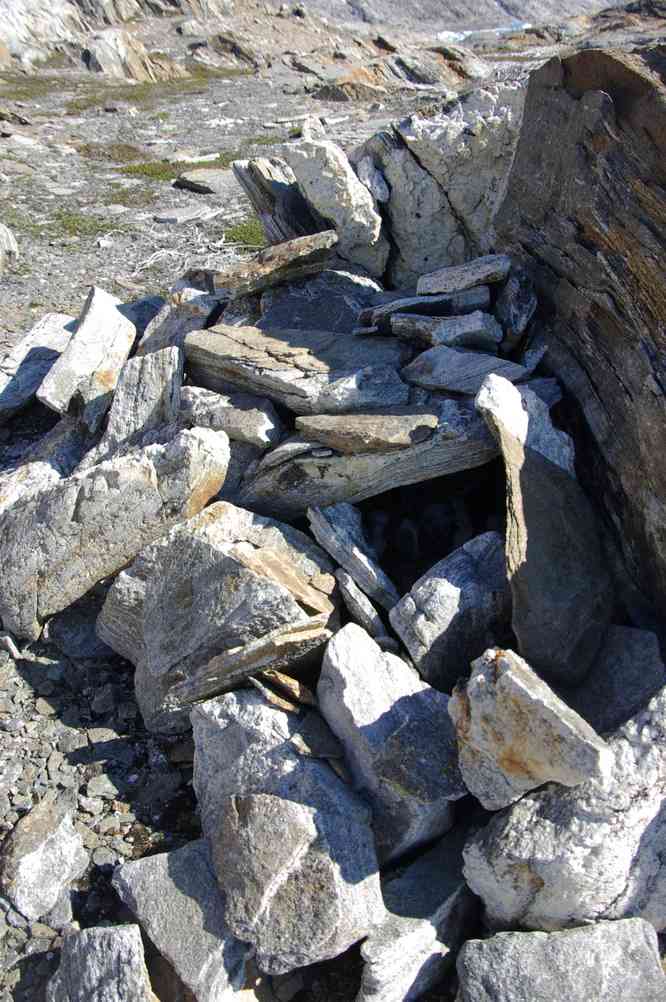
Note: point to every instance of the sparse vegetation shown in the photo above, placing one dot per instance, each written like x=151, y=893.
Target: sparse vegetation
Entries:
x=96, y=94
x=115, y=153
x=248, y=233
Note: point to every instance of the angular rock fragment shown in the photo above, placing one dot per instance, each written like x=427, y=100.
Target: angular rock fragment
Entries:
x=310, y=372
x=205, y=181
x=59, y=543
x=373, y=179
x=331, y=187
x=560, y=586
x=458, y=370
x=54, y=456
x=212, y=585
x=271, y=186
x=515, y=307
x=562, y=857
x=398, y=742
x=483, y=270
x=359, y=606
x=320, y=893
x=339, y=529
x=452, y=613
x=330, y=301
x=431, y=912
x=187, y=310
x=25, y=366
x=514, y=734
x=176, y=900
x=104, y=964
x=85, y=375
x=40, y=857
x=476, y=330
x=391, y=428
x=457, y=305
x=603, y=962
x=117, y=53
x=244, y=417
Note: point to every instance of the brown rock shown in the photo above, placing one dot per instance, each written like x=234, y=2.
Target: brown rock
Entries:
x=394, y=428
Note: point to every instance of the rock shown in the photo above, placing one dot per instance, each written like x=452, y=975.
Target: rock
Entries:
x=243, y=460
x=245, y=576
x=256, y=790
x=561, y=594
x=476, y=330
x=447, y=618
x=270, y=185
x=296, y=475
x=117, y=53
x=393, y=428
x=514, y=734
x=102, y=965
x=204, y=181
x=24, y=367
x=627, y=672
x=285, y=262
x=183, y=214
x=330, y=301
x=398, y=742
x=562, y=857
x=482, y=271
x=73, y=630
x=515, y=307
x=9, y=251
x=59, y=543
x=187, y=310
x=40, y=857
x=175, y=898
x=310, y=372
x=459, y=304
x=359, y=606
x=244, y=417
x=431, y=911
x=603, y=962
x=458, y=370
x=54, y=456
x=331, y=187
x=373, y=179
x=85, y=375
x=339, y=529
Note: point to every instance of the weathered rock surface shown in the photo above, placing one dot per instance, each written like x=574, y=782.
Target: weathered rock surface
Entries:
x=271, y=186
x=25, y=366
x=85, y=375
x=339, y=529
x=244, y=417
x=561, y=593
x=458, y=370
x=604, y=962
x=431, y=911
x=9, y=251
x=457, y=305
x=53, y=457
x=359, y=606
x=331, y=187
x=40, y=857
x=176, y=900
x=59, y=543
x=515, y=307
x=392, y=428
x=561, y=857
x=117, y=53
x=476, y=330
x=447, y=618
x=514, y=734
x=257, y=790
x=330, y=301
x=244, y=576
x=102, y=965
x=186, y=310
x=398, y=741
x=483, y=270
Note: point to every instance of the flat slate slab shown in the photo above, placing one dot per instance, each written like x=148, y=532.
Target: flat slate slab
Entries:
x=25, y=366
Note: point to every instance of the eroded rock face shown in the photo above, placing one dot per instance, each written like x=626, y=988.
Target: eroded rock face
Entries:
x=102, y=965
x=26, y=365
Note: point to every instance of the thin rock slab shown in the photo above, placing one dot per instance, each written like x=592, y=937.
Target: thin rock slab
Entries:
x=257, y=783
x=339, y=529
x=186, y=310
x=603, y=962
x=271, y=186
x=458, y=370
x=243, y=416
x=359, y=606
x=41, y=856
x=452, y=612
x=59, y=543
x=515, y=307
x=84, y=377
x=176, y=900
x=310, y=372
x=392, y=428
x=431, y=912
x=104, y=964
x=55, y=456
x=561, y=857
x=476, y=330
x=514, y=734
x=482, y=271
x=457, y=305
x=562, y=598
x=398, y=742
x=204, y=181
x=23, y=369
x=213, y=584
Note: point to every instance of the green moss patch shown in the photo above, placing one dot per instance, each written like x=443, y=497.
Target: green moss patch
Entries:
x=248, y=233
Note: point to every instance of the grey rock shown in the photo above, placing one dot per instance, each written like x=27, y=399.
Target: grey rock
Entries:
x=515, y=307
x=330, y=301
x=561, y=591
x=241, y=575
x=244, y=417
x=475, y=330
x=42, y=855
x=457, y=305
x=55, y=456
x=373, y=179
x=254, y=786
x=431, y=912
x=339, y=529
x=481, y=271
x=359, y=606
x=9, y=250
x=458, y=370
x=176, y=900
x=243, y=460
x=102, y=965
x=187, y=310
x=204, y=181
x=514, y=734
x=603, y=962
x=271, y=186
x=85, y=375
x=398, y=742
x=391, y=428
x=561, y=857
x=24, y=367
x=61, y=542
x=453, y=612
